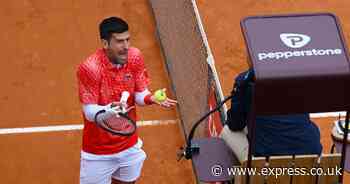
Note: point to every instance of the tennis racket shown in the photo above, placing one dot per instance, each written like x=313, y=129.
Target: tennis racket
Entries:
x=116, y=120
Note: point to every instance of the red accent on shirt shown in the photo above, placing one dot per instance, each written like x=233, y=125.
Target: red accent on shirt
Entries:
x=148, y=100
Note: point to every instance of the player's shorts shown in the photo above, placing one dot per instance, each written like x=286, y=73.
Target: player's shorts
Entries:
x=124, y=166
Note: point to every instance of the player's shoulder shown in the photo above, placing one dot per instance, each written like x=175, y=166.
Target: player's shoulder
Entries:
x=91, y=64
x=135, y=57
x=133, y=51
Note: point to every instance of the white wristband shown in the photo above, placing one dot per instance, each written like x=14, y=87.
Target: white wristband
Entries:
x=90, y=110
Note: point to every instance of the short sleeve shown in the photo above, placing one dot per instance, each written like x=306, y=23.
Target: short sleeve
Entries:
x=88, y=85
x=140, y=73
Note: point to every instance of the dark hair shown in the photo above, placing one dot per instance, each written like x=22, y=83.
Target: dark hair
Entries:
x=112, y=25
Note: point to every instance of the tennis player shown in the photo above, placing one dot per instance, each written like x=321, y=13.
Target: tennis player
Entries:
x=114, y=68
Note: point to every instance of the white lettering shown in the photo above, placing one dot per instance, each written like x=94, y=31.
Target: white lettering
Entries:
x=302, y=53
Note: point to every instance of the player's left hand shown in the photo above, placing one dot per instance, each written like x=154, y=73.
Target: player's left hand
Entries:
x=167, y=103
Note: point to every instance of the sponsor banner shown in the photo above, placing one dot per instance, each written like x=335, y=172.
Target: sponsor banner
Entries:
x=214, y=120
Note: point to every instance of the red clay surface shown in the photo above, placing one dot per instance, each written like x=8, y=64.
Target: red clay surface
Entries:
x=43, y=158
x=43, y=41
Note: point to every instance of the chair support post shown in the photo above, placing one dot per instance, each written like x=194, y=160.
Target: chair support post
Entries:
x=343, y=155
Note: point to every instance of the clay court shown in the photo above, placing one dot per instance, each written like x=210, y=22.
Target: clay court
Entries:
x=44, y=41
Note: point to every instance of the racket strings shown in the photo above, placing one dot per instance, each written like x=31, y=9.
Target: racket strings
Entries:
x=119, y=124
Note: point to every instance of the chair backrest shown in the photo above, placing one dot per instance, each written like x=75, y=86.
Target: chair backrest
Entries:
x=300, y=169
x=289, y=81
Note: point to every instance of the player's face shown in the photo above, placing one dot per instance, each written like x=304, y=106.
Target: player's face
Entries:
x=117, y=48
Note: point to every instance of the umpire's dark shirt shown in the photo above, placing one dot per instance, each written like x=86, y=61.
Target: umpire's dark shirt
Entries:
x=275, y=135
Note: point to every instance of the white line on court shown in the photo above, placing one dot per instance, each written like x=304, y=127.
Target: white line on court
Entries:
x=139, y=123
x=74, y=127
x=327, y=114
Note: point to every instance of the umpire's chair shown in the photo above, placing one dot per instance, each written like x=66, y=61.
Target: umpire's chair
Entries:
x=301, y=64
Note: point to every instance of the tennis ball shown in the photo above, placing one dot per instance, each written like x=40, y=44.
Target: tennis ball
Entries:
x=160, y=95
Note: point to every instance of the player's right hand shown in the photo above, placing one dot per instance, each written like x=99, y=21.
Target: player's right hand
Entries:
x=120, y=107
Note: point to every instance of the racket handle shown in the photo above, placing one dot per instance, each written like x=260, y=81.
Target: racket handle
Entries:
x=125, y=96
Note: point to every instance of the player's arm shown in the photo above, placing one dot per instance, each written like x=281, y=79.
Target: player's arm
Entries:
x=94, y=112
x=147, y=98
x=142, y=95
x=90, y=111
x=88, y=86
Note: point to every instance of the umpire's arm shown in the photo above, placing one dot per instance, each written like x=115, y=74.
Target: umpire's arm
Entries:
x=237, y=114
